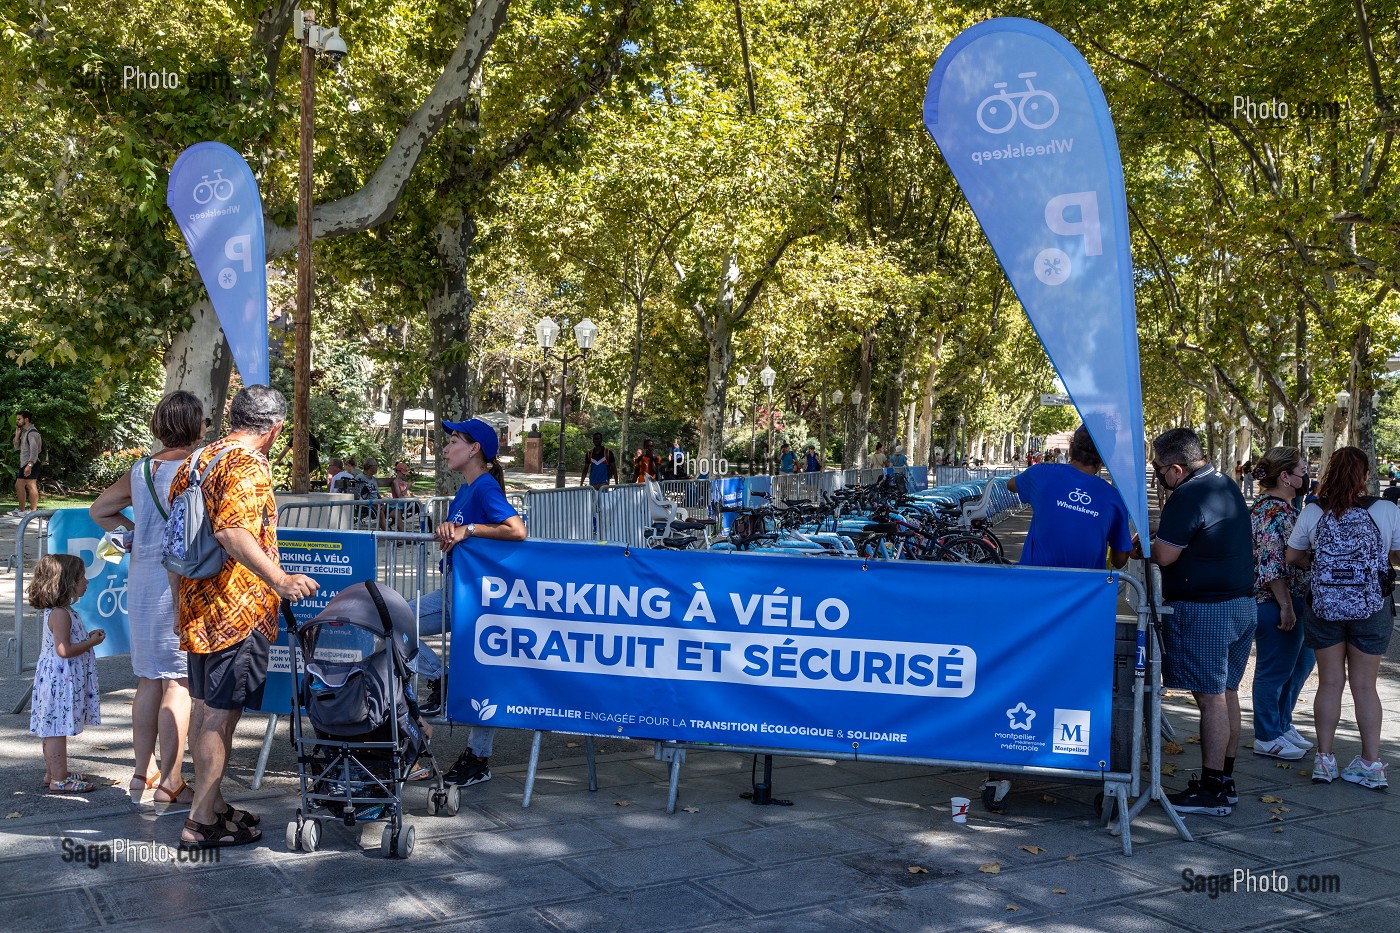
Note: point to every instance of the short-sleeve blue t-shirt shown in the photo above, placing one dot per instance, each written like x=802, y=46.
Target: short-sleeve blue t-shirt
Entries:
x=1076, y=518
x=480, y=502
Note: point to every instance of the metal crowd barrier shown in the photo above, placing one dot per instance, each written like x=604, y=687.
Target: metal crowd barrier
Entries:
x=693, y=494
x=31, y=543
x=562, y=514
x=622, y=514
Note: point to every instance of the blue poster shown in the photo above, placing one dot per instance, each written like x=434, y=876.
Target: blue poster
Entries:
x=103, y=606
x=1022, y=123
x=886, y=658
x=335, y=560
x=726, y=493
x=216, y=204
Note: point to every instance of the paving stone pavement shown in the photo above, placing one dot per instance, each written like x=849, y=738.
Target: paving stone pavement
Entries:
x=863, y=847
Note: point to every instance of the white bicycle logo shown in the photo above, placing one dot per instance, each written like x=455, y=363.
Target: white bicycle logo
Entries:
x=112, y=599
x=1079, y=497
x=220, y=188
x=1035, y=108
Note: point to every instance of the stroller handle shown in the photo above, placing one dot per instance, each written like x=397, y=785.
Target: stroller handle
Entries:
x=289, y=616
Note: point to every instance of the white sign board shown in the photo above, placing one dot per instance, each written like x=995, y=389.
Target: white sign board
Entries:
x=1311, y=439
x=1049, y=399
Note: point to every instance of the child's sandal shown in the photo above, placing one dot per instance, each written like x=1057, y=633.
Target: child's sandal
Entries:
x=216, y=834
x=70, y=786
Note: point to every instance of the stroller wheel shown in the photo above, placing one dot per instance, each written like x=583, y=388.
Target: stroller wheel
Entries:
x=434, y=801
x=454, y=800
x=293, y=842
x=386, y=841
x=311, y=835
x=405, y=841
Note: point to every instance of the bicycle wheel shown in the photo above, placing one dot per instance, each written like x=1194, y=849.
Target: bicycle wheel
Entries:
x=967, y=549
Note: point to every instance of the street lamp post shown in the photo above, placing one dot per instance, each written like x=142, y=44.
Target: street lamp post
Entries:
x=837, y=397
x=742, y=380
x=767, y=376
x=313, y=39
x=547, y=335
x=856, y=397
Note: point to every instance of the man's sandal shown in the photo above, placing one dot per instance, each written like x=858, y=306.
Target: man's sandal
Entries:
x=70, y=786
x=163, y=796
x=217, y=834
x=241, y=817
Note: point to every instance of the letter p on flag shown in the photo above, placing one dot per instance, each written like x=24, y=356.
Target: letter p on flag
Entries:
x=1087, y=226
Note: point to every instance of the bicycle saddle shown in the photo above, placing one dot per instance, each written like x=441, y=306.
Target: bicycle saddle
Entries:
x=880, y=528
x=690, y=526
x=680, y=542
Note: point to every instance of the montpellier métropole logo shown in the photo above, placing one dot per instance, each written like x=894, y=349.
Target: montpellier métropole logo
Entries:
x=484, y=708
x=1020, y=717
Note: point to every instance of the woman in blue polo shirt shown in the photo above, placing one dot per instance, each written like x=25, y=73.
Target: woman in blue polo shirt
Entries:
x=478, y=510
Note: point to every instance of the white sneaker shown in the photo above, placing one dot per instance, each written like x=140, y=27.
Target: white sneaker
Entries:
x=1292, y=736
x=1370, y=776
x=1278, y=748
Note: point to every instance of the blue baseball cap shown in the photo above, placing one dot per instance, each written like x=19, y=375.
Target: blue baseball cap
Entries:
x=479, y=431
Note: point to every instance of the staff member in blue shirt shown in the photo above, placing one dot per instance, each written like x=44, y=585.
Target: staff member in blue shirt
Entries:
x=1078, y=520
x=478, y=510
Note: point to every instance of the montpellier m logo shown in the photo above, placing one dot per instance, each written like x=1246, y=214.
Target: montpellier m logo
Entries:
x=1071, y=735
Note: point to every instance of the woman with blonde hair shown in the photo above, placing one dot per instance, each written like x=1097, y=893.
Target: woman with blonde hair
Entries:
x=1349, y=541
x=1283, y=662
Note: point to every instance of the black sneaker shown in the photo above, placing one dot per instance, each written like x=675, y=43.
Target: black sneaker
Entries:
x=433, y=704
x=1232, y=796
x=468, y=770
x=1200, y=797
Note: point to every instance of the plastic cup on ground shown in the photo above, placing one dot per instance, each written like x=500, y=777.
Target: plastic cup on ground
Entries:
x=960, y=808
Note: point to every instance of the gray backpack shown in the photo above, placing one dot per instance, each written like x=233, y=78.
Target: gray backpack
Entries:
x=188, y=548
x=1349, y=559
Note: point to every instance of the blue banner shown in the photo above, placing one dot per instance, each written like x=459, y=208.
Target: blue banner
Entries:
x=215, y=200
x=335, y=560
x=885, y=658
x=1024, y=126
x=726, y=493
x=103, y=606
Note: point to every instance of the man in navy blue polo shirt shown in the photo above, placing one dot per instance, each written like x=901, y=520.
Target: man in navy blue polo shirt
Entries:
x=1206, y=551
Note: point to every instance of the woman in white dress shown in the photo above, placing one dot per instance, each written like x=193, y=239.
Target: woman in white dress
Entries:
x=161, y=711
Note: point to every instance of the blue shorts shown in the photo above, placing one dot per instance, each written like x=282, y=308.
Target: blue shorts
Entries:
x=1205, y=646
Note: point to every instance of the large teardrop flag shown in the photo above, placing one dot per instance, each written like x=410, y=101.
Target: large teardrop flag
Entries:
x=1024, y=126
x=215, y=200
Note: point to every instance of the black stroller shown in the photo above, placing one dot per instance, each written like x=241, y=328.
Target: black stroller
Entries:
x=369, y=736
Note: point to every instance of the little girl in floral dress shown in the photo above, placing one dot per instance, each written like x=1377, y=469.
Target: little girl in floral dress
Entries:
x=65, y=682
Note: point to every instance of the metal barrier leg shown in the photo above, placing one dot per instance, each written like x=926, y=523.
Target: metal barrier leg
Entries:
x=265, y=751
x=530, y=771
x=677, y=756
x=1154, y=789
x=592, y=762
x=24, y=702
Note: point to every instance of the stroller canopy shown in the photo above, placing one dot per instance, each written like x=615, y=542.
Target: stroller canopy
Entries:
x=355, y=605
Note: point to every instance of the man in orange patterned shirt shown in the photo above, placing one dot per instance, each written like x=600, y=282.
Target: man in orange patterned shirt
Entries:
x=228, y=622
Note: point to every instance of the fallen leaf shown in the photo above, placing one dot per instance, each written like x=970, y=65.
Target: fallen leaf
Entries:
x=1071, y=858
x=690, y=809
x=103, y=748
x=1046, y=798
x=1012, y=907
x=1193, y=740
x=13, y=815
x=1270, y=798
x=917, y=870
x=1276, y=818
x=1303, y=771
x=1278, y=810
x=1058, y=891
x=1172, y=748
x=622, y=803
x=1033, y=850
x=1283, y=764
x=990, y=868
x=571, y=745
x=1169, y=768
x=1278, y=829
